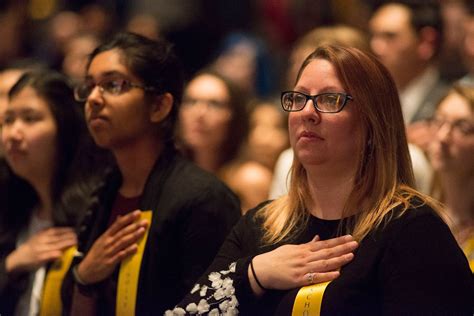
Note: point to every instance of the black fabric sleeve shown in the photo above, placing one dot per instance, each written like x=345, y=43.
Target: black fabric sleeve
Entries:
x=420, y=270
x=11, y=286
x=226, y=278
x=207, y=223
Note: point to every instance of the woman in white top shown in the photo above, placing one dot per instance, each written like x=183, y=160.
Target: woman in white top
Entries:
x=42, y=131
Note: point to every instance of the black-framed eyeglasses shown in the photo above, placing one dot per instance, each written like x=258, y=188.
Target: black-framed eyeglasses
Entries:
x=112, y=86
x=293, y=101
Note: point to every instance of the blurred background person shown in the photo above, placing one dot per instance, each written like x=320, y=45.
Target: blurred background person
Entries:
x=9, y=75
x=452, y=156
x=245, y=60
x=337, y=34
x=407, y=36
x=213, y=121
x=249, y=180
x=76, y=51
x=250, y=174
x=45, y=193
x=468, y=45
x=144, y=24
x=268, y=133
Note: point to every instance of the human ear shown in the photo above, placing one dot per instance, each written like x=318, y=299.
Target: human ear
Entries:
x=161, y=107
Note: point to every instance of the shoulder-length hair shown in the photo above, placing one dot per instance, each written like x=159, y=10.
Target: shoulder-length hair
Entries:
x=238, y=125
x=55, y=89
x=384, y=176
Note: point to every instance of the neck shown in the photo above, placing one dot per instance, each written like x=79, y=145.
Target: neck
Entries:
x=135, y=163
x=458, y=197
x=44, y=208
x=405, y=78
x=207, y=159
x=329, y=193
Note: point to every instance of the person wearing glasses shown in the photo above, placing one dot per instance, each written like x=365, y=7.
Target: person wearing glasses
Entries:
x=451, y=154
x=351, y=179
x=132, y=93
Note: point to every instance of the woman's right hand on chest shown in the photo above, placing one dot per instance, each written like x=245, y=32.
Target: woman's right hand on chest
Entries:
x=44, y=246
x=293, y=266
x=118, y=242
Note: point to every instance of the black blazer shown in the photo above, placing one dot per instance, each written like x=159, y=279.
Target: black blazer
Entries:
x=192, y=214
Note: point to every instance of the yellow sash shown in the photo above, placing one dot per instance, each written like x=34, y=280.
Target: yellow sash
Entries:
x=308, y=300
x=468, y=248
x=51, y=298
x=128, y=275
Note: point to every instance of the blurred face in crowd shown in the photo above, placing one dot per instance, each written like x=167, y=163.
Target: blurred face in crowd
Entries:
x=268, y=135
x=328, y=139
x=395, y=42
x=453, y=127
x=205, y=113
x=468, y=44
x=76, y=55
x=29, y=136
x=116, y=119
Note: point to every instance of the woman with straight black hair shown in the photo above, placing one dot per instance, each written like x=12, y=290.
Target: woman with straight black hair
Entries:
x=132, y=93
x=44, y=185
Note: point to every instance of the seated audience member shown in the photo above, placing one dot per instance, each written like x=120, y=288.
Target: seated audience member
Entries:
x=345, y=36
x=351, y=175
x=9, y=76
x=337, y=34
x=132, y=92
x=213, y=121
x=250, y=180
x=76, y=51
x=268, y=133
x=468, y=45
x=42, y=131
x=452, y=156
x=407, y=37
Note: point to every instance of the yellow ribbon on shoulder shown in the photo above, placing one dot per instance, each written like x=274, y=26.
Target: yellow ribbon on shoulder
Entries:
x=468, y=249
x=128, y=275
x=51, y=298
x=308, y=300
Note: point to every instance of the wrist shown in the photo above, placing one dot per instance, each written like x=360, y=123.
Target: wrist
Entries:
x=11, y=263
x=85, y=288
x=254, y=280
x=77, y=276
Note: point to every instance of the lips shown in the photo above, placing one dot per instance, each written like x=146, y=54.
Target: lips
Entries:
x=96, y=121
x=309, y=135
x=14, y=151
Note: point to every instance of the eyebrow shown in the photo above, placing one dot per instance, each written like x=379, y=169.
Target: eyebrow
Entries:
x=323, y=90
x=107, y=74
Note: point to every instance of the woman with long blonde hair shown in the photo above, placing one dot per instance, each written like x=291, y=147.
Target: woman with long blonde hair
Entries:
x=351, y=175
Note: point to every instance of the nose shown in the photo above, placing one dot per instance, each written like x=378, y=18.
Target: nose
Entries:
x=444, y=132
x=13, y=132
x=309, y=112
x=95, y=99
x=200, y=107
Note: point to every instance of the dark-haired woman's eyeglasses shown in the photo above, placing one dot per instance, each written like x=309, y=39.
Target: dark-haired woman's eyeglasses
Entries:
x=112, y=86
x=293, y=101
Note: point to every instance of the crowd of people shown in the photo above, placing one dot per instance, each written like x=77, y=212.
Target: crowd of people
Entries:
x=332, y=176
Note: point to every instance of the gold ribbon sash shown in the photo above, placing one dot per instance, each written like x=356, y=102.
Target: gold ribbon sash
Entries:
x=51, y=298
x=129, y=273
x=309, y=299
x=468, y=248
